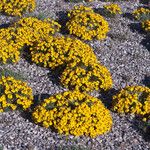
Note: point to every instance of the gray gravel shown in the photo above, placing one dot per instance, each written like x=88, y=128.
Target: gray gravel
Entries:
x=128, y=61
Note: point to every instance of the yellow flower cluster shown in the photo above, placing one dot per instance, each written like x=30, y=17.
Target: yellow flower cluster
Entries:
x=30, y=29
x=74, y=113
x=86, y=77
x=113, y=9
x=87, y=25
x=14, y=93
x=133, y=99
x=79, y=9
x=141, y=13
x=9, y=49
x=16, y=7
x=146, y=25
x=56, y=51
x=24, y=32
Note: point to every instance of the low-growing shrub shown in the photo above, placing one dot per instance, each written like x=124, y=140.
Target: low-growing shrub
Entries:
x=24, y=33
x=141, y=14
x=16, y=7
x=86, y=77
x=132, y=99
x=87, y=25
x=14, y=94
x=9, y=48
x=112, y=9
x=56, y=51
x=74, y=113
x=146, y=25
x=79, y=9
x=31, y=29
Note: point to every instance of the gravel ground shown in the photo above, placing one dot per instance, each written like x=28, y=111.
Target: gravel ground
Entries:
x=126, y=54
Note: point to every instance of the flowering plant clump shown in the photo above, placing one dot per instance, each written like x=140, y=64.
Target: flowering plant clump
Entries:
x=146, y=25
x=79, y=9
x=74, y=113
x=86, y=77
x=14, y=93
x=56, y=51
x=88, y=25
x=9, y=48
x=141, y=14
x=31, y=29
x=113, y=9
x=16, y=7
x=133, y=99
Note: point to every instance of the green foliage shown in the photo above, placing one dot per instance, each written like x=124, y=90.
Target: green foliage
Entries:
x=1, y=147
x=41, y=16
x=8, y=72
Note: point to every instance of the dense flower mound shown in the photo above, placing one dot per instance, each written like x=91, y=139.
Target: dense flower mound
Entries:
x=74, y=113
x=17, y=7
x=141, y=13
x=113, y=9
x=86, y=77
x=31, y=29
x=133, y=99
x=88, y=25
x=9, y=48
x=146, y=25
x=14, y=93
x=56, y=51
x=79, y=9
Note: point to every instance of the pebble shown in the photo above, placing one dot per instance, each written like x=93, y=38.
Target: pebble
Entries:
x=126, y=58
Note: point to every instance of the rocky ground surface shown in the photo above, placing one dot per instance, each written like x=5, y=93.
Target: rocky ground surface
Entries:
x=125, y=52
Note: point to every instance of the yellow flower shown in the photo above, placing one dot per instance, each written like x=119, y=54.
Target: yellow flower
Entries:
x=86, y=76
x=146, y=25
x=30, y=30
x=10, y=96
x=113, y=9
x=132, y=99
x=86, y=24
x=141, y=13
x=16, y=7
x=57, y=51
x=75, y=113
x=21, y=96
x=9, y=48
